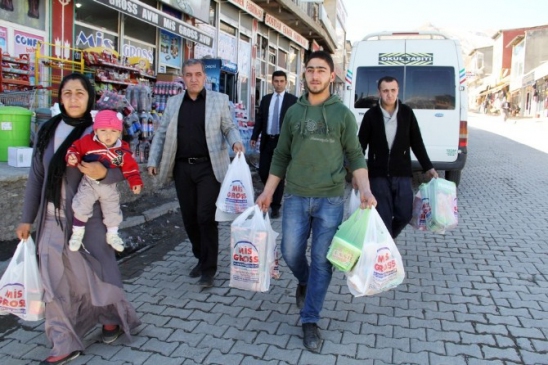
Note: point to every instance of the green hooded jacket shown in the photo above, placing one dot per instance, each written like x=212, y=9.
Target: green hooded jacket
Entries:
x=313, y=144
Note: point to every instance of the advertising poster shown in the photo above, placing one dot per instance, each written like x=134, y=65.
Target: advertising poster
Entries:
x=170, y=50
x=200, y=50
x=213, y=73
x=31, y=13
x=3, y=39
x=25, y=43
x=227, y=47
x=139, y=55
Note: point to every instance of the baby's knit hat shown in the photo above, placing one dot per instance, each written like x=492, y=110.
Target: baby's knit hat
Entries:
x=108, y=119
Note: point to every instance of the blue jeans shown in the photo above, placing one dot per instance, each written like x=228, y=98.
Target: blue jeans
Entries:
x=319, y=217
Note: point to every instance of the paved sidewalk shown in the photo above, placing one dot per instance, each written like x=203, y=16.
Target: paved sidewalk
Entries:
x=478, y=295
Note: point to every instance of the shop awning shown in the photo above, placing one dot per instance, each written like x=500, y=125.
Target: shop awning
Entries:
x=493, y=89
x=150, y=15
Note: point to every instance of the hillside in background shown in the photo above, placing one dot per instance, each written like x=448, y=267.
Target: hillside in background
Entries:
x=469, y=40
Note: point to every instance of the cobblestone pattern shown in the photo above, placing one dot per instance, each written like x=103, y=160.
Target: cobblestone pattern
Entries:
x=478, y=295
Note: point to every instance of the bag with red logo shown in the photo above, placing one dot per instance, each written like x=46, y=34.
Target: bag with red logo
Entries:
x=236, y=193
x=421, y=208
x=252, y=251
x=21, y=287
x=380, y=266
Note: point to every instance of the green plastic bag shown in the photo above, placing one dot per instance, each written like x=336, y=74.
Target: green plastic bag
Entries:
x=346, y=246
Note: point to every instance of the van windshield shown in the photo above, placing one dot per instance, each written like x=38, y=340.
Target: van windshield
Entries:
x=421, y=87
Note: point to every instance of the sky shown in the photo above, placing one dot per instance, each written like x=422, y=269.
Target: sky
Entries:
x=368, y=16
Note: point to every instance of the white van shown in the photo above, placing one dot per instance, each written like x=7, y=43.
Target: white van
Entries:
x=431, y=75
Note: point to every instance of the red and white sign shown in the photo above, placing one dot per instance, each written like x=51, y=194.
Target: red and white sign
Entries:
x=286, y=31
x=250, y=7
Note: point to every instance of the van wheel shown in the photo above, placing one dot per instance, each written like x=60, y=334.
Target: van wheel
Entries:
x=453, y=175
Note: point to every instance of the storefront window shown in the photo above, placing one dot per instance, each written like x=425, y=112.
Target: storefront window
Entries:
x=292, y=60
x=213, y=14
x=97, y=15
x=282, y=59
x=137, y=29
x=229, y=29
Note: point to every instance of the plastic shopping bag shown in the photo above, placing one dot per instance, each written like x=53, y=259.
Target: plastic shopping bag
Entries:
x=236, y=193
x=272, y=254
x=252, y=251
x=380, y=266
x=354, y=201
x=346, y=245
x=441, y=195
x=421, y=207
x=21, y=287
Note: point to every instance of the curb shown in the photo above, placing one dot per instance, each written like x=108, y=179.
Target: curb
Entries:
x=149, y=215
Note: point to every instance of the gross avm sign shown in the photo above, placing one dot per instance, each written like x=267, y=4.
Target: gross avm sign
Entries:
x=155, y=17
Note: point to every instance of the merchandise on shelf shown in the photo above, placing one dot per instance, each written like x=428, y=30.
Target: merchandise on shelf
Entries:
x=15, y=73
x=163, y=90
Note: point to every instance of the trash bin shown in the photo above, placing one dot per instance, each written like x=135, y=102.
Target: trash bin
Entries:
x=14, y=129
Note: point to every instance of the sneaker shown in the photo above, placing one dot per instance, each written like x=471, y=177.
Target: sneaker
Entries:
x=300, y=295
x=115, y=241
x=59, y=360
x=311, y=337
x=109, y=336
x=75, y=241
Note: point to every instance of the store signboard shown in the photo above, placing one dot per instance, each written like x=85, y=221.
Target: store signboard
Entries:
x=195, y=8
x=91, y=38
x=286, y=31
x=25, y=42
x=150, y=15
x=250, y=7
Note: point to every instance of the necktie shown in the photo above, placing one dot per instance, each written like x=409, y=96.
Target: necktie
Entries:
x=275, y=128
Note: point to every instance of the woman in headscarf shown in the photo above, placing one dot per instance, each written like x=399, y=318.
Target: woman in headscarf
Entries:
x=82, y=288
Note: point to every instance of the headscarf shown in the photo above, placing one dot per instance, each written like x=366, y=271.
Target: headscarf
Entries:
x=57, y=165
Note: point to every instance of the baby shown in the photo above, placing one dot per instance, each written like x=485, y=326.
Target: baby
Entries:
x=105, y=146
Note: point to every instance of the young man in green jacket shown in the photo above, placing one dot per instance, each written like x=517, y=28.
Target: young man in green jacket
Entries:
x=317, y=134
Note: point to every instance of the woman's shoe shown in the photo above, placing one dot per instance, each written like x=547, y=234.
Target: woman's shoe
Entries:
x=111, y=335
x=60, y=360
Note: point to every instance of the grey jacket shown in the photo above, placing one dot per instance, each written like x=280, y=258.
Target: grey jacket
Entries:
x=219, y=128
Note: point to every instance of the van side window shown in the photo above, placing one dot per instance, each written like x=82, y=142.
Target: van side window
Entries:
x=421, y=87
x=429, y=87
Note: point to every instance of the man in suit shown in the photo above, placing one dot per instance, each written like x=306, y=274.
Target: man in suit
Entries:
x=189, y=146
x=268, y=125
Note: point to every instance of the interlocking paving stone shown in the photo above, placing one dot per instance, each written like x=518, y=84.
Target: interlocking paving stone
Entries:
x=477, y=295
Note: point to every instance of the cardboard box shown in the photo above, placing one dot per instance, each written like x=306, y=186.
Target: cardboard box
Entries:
x=168, y=77
x=19, y=156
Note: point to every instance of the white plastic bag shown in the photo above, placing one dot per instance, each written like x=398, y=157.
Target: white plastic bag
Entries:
x=421, y=207
x=252, y=251
x=441, y=195
x=21, y=289
x=353, y=201
x=236, y=193
x=380, y=266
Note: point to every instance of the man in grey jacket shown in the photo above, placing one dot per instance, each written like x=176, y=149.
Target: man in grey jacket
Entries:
x=190, y=147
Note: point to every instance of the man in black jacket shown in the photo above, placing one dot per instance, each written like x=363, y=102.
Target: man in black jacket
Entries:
x=268, y=125
x=390, y=130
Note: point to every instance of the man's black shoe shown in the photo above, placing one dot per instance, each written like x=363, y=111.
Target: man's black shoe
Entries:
x=206, y=281
x=275, y=213
x=196, y=271
x=300, y=295
x=311, y=337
